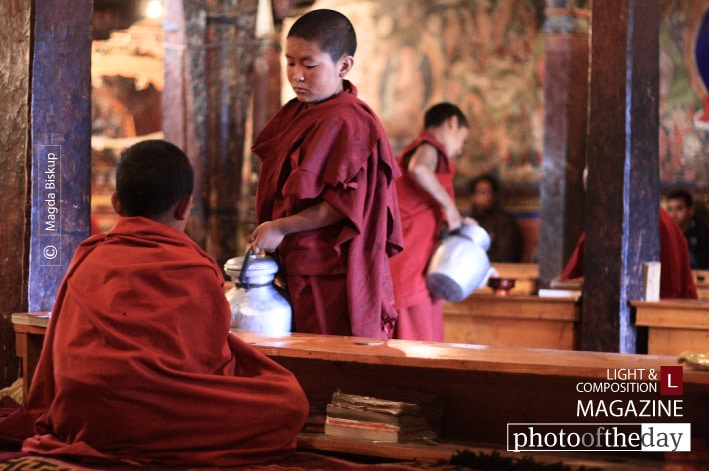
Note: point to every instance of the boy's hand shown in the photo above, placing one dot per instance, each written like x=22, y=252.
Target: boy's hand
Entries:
x=468, y=221
x=453, y=217
x=267, y=236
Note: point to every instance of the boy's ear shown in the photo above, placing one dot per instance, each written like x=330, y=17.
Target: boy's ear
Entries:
x=182, y=209
x=117, y=207
x=453, y=122
x=346, y=64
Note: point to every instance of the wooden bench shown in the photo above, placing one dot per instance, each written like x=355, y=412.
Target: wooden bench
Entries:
x=674, y=325
x=514, y=321
x=526, y=277
x=484, y=388
x=29, y=336
x=701, y=281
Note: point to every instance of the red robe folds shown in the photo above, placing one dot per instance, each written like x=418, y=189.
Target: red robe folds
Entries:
x=420, y=314
x=676, y=278
x=335, y=151
x=138, y=363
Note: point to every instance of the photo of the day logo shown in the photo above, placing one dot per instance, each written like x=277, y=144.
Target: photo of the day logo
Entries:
x=671, y=381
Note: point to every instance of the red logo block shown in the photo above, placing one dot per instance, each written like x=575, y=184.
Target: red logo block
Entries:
x=671, y=381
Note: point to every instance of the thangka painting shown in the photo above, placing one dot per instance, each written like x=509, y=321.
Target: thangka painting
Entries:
x=684, y=102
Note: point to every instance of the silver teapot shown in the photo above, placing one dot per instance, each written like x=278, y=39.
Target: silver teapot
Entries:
x=460, y=264
x=256, y=303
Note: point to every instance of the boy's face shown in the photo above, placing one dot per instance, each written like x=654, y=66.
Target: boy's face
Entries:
x=454, y=137
x=679, y=211
x=312, y=73
x=483, y=196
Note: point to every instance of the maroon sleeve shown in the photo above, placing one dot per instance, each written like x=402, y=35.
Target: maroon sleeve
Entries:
x=574, y=267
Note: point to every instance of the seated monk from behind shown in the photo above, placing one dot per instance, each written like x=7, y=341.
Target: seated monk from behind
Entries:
x=138, y=363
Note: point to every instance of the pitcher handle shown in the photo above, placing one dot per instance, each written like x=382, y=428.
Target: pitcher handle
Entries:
x=245, y=265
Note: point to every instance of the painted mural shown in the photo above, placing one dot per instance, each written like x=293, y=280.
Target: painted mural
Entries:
x=684, y=102
x=487, y=57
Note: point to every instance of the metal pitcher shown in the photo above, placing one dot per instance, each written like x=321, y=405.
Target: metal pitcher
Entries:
x=256, y=303
x=460, y=265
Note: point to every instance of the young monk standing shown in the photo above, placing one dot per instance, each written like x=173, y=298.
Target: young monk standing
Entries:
x=426, y=201
x=326, y=198
x=138, y=363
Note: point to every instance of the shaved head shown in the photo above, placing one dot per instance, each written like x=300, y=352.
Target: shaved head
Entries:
x=331, y=30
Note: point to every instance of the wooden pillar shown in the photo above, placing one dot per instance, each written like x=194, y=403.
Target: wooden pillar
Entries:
x=565, y=120
x=46, y=154
x=622, y=198
x=60, y=143
x=231, y=52
x=267, y=81
x=266, y=102
x=14, y=185
x=184, y=97
x=210, y=51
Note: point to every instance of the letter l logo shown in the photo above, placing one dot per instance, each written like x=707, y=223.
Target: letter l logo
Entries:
x=671, y=383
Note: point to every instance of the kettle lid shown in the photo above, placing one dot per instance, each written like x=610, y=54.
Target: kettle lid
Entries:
x=258, y=265
x=477, y=234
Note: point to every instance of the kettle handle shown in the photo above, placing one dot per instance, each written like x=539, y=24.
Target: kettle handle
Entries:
x=456, y=232
x=245, y=265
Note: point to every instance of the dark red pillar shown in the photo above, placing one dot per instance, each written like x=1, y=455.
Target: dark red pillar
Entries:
x=566, y=62
x=622, y=199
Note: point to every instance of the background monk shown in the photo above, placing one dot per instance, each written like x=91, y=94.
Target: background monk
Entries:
x=138, y=363
x=676, y=278
x=486, y=209
x=426, y=201
x=326, y=198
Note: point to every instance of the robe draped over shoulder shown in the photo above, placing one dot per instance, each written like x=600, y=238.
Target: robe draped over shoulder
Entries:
x=334, y=151
x=139, y=365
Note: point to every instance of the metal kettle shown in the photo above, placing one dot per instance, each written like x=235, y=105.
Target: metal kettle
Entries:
x=460, y=264
x=256, y=303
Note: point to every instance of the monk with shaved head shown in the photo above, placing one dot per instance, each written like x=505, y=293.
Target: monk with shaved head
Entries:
x=138, y=363
x=326, y=202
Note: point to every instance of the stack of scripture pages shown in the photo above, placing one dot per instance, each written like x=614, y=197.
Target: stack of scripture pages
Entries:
x=368, y=418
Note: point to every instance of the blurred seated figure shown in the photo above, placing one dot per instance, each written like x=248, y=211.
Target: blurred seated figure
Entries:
x=680, y=205
x=505, y=235
x=676, y=279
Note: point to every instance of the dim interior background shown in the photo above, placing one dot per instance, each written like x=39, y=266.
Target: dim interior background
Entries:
x=486, y=56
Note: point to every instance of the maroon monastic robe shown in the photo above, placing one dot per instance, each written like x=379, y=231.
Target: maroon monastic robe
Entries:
x=676, y=278
x=139, y=365
x=335, y=151
x=420, y=314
